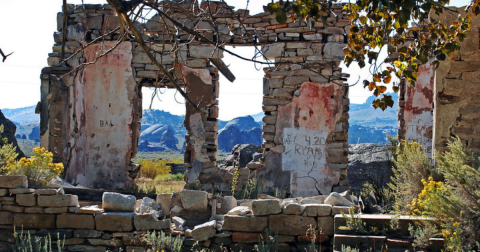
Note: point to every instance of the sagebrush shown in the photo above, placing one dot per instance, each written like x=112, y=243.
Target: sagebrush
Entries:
x=7, y=151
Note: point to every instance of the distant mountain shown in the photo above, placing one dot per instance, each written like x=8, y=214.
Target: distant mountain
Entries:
x=29, y=131
x=258, y=117
x=243, y=123
x=365, y=115
x=164, y=135
x=21, y=115
x=231, y=135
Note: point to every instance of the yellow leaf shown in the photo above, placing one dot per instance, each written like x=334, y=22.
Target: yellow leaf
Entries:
x=397, y=63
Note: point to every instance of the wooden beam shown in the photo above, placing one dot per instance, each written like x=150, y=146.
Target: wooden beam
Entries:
x=223, y=68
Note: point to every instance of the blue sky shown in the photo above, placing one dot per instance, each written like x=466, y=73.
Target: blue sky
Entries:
x=29, y=34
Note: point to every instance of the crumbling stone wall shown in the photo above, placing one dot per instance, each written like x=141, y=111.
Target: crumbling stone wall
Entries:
x=416, y=107
x=457, y=94
x=304, y=97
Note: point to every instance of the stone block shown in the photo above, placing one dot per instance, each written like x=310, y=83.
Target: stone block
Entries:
x=247, y=237
x=6, y=218
x=272, y=51
x=109, y=243
x=85, y=233
x=117, y=202
x=49, y=191
x=266, y=207
x=240, y=210
x=294, y=209
x=34, y=210
x=89, y=248
x=326, y=225
x=13, y=181
x=74, y=241
x=12, y=208
x=75, y=221
x=291, y=224
x=334, y=51
x=244, y=224
x=293, y=80
x=57, y=200
x=26, y=199
x=204, y=231
x=37, y=221
x=56, y=210
x=194, y=200
x=148, y=222
x=21, y=190
x=116, y=222
x=205, y=52
x=283, y=93
x=339, y=209
x=228, y=203
x=3, y=192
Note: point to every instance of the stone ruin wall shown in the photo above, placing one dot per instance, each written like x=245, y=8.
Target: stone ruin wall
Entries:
x=444, y=101
x=90, y=118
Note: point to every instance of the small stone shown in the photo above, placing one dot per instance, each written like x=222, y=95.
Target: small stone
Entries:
x=13, y=181
x=26, y=199
x=294, y=209
x=204, y=231
x=116, y=202
x=266, y=207
x=75, y=221
x=240, y=210
x=228, y=203
x=179, y=222
x=335, y=199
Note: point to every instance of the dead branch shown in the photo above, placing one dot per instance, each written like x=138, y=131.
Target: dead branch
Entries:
x=4, y=56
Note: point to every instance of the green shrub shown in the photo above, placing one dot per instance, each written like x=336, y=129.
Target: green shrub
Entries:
x=7, y=151
x=153, y=168
x=170, y=177
x=29, y=243
x=411, y=165
x=162, y=242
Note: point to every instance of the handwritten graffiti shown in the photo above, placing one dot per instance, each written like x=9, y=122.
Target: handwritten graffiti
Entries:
x=304, y=150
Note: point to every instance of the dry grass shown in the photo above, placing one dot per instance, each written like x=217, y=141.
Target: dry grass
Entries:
x=147, y=185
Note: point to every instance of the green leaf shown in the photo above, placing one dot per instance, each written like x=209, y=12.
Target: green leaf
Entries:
x=281, y=16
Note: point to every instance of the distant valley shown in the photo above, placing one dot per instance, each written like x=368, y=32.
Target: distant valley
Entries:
x=162, y=131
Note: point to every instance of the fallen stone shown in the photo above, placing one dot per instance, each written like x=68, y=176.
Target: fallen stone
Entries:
x=179, y=222
x=291, y=224
x=26, y=199
x=293, y=209
x=34, y=221
x=335, y=199
x=116, y=222
x=266, y=207
x=150, y=206
x=194, y=200
x=204, y=231
x=116, y=202
x=57, y=200
x=244, y=224
x=13, y=181
x=75, y=221
x=148, y=222
x=164, y=199
x=228, y=203
x=240, y=210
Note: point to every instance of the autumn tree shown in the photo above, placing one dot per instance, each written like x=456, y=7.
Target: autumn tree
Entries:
x=414, y=31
